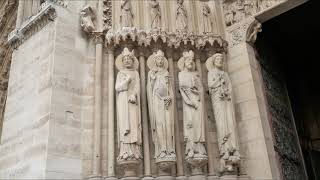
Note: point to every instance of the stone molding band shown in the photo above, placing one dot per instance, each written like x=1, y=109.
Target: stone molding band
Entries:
x=45, y=15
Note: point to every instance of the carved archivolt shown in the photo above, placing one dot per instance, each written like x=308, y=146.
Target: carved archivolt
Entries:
x=171, y=39
x=243, y=32
x=237, y=10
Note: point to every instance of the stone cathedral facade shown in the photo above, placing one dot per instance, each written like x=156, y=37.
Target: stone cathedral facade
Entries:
x=141, y=89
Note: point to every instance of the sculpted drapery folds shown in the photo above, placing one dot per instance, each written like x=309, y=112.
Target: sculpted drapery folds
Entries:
x=191, y=90
x=155, y=14
x=160, y=96
x=128, y=107
x=181, y=17
x=126, y=19
x=221, y=94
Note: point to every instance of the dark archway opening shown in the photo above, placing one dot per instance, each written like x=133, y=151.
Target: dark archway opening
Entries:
x=288, y=48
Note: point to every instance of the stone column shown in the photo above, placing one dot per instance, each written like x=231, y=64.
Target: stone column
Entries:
x=20, y=13
x=96, y=167
x=111, y=117
x=98, y=36
x=179, y=169
x=144, y=115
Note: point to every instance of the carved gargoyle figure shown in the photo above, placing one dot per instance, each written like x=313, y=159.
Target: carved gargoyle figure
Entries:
x=87, y=18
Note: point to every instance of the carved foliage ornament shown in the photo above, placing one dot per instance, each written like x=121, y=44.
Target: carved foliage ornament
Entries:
x=171, y=39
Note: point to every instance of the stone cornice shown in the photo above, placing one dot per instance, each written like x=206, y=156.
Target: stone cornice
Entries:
x=46, y=14
x=171, y=39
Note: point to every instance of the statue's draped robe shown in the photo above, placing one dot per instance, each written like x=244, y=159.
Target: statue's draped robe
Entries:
x=207, y=19
x=181, y=19
x=155, y=15
x=126, y=14
x=220, y=89
x=193, y=119
x=128, y=115
x=161, y=116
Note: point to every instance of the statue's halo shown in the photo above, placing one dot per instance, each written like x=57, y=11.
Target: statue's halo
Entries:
x=152, y=64
x=120, y=66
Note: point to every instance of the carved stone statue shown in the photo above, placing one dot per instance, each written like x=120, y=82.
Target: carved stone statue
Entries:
x=87, y=17
x=221, y=95
x=160, y=96
x=191, y=90
x=128, y=109
x=207, y=18
x=155, y=14
x=229, y=14
x=181, y=17
x=126, y=18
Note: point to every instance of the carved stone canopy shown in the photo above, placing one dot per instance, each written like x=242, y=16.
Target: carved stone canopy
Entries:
x=170, y=39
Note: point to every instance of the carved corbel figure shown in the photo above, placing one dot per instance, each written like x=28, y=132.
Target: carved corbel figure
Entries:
x=87, y=18
x=220, y=89
x=253, y=31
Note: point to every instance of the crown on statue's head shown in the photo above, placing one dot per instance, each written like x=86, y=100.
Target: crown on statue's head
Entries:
x=159, y=53
x=126, y=52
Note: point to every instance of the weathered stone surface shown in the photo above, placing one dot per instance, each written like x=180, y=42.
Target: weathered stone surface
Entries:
x=60, y=88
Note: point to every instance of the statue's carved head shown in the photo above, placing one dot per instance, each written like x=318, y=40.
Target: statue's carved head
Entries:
x=127, y=60
x=215, y=61
x=157, y=60
x=189, y=61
